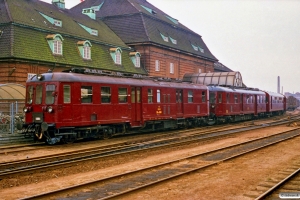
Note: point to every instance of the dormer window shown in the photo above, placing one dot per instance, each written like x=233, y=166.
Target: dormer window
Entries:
x=173, y=40
x=165, y=38
x=84, y=48
x=55, y=42
x=53, y=21
x=116, y=54
x=175, y=21
x=198, y=48
x=149, y=10
x=136, y=59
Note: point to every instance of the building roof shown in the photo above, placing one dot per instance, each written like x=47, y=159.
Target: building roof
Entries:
x=219, y=67
x=27, y=23
x=154, y=26
x=12, y=91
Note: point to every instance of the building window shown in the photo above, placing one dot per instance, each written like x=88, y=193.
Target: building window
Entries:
x=116, y=54
x=136, y=59
x=86, y=94
x=171, y=68
x=105, y=95
x=157, y=66
x=122, y=95
x=190, y=96
x=84, y=48
x=55, y=43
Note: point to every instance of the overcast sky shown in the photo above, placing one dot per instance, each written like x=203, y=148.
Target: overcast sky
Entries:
x=259, y=38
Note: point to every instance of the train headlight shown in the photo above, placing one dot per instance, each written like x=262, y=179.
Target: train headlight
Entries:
x=26, y=109
x=213, y=106
x=39, y=77
x=49, y=109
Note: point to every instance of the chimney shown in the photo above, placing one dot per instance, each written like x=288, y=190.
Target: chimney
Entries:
x=59, y=3
x=278, y=84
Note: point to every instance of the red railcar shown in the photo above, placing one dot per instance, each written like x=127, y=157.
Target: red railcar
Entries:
x=232, y=104
x=67, y=106
x=276, y=103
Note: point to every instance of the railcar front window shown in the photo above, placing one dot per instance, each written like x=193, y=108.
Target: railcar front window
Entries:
x=39, y=94
x=50, y=94
x=67, y=94
x=122, y=95
x=105, y=94
x=86, y=94
x=29, y=94
x=158, y=96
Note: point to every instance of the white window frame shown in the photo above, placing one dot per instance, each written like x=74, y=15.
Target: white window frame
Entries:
x=157, y=65
x=57, y=46
x=118, y=57
x=86, y=52
x=172, y=68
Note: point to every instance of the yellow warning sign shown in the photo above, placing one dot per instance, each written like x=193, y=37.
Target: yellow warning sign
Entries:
x=158, y=111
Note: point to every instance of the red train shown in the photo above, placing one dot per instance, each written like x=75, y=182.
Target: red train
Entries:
x=66, y=106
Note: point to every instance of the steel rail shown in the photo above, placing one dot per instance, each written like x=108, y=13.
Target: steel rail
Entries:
x=282, y=182
x=294, y=133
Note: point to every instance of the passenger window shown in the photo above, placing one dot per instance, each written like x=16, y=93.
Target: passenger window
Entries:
x=50, y=97
x=38, y=94
x=190, y=96
x=150, y=96
x=158, y=96
x=203, y=96
x=122, y=95
x=220, y=97
x=86, y=94
x=105, y=95
x=67, y=94
x=228, y=98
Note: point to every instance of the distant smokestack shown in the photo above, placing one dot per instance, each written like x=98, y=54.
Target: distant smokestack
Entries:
x=278, y=85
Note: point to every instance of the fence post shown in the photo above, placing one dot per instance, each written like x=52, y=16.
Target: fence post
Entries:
x=12, y=117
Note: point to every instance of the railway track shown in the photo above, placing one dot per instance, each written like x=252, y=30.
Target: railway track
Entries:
x=285, y=185
x=124, y=183
x=70, y=158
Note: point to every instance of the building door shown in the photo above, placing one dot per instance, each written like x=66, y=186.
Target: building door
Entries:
x=179, y=102
x=136, y=111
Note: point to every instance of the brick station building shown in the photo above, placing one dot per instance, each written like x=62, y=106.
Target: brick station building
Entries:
x=127, y=36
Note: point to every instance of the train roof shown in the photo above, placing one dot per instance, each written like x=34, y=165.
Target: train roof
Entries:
x=232, y=89
x=274, y=94
x=88, y=78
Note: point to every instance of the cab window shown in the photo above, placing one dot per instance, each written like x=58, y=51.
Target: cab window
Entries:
x=50, y=95
x=67, y=94
x=38, y=94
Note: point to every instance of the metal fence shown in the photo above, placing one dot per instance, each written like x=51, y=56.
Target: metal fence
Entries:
x=10, y=114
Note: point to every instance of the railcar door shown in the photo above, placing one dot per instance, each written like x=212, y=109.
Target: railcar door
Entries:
x=66, y=107
x=179, y=102
x=255, y=104
x=136, y=106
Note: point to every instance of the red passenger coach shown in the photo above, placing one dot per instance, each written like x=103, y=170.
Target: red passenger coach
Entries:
x=276, y=103
x=67, y=106
x=231, y=104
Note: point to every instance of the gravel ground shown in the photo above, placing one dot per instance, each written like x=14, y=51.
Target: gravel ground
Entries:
x=230, y=180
